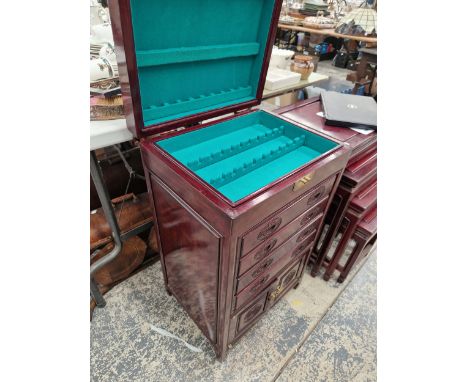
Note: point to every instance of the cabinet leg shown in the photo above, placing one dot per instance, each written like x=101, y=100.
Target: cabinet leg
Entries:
x=221, y=354
x=313, y=272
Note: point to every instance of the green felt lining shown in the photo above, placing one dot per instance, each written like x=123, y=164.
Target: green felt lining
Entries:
x=193, y=103
x=198, y=55
x=240, y=156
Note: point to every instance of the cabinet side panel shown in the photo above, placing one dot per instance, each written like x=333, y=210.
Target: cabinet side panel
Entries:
x=191, y=250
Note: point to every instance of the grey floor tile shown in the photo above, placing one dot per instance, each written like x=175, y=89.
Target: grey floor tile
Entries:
x=343, y=346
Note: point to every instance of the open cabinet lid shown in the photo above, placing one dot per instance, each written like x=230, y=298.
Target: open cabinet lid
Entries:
x=184, y=61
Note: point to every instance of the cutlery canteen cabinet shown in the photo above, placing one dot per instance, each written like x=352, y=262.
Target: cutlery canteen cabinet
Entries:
x=238, y=194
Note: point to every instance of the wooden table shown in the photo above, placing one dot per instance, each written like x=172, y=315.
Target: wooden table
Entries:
x=328, y=32
x=313, y=78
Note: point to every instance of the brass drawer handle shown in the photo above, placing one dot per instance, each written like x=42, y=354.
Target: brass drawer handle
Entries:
x=311, y=215
x=276, y=293
x=262, y=267
x=304, y=234
x=260, y=284
x=265, y=250
x=271, y=227
x=317, y=195
x=300, y=249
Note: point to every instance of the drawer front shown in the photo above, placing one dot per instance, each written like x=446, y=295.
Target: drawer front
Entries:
x=284, y=254
x=250, y=314
x=261, y=234
x=311, y=216
x=264, y=279
x=286, y=281
x=246, y=317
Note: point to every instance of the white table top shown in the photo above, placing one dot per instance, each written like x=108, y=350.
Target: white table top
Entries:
x=313, y=78
x=107, y=133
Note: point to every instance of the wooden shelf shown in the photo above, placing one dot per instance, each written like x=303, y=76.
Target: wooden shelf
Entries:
x=327, y=32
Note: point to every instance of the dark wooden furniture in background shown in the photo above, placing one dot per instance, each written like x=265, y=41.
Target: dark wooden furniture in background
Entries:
x=360, y=205
x=366, y=70
x=360, y=172
x=364, y=236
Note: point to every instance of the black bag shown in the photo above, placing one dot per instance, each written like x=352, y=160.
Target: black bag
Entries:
x=351, y=65
x=341, y=59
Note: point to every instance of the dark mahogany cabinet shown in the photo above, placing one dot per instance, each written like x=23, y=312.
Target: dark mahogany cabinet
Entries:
x=239, y=195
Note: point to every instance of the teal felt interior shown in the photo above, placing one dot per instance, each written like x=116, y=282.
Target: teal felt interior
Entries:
x=198, y=55
x=240, y=156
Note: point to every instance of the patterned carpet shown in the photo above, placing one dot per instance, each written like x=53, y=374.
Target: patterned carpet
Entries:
x=125, y=348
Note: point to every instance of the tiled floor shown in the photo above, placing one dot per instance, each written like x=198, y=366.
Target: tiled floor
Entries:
x=343, y=346
x=124, y=347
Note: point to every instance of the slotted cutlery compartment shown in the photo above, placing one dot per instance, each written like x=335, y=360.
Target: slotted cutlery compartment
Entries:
x=240, y=156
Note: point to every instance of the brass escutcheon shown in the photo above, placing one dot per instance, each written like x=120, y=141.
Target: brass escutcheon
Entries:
x=303, y=181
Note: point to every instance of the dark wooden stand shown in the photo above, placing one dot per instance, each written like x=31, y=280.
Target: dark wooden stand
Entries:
x=360, y=205
x=365, y=236
x=360, y=172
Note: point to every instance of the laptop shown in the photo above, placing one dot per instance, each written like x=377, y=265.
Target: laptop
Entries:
x=349, y=110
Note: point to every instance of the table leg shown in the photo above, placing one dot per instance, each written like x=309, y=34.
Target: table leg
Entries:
x=341, y=247
x=331, y=233
x=103, y=194
x=97, y=295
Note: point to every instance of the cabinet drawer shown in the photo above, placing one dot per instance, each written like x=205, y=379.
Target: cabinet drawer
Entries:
x=311, y=216
x=285, y=282
x=265, y=278
x=247, y=316
x=250, y=314
x=265, y=230
x=283, y=255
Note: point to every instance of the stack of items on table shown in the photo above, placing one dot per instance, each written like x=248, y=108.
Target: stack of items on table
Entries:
x=352, y=216
x=312, y=7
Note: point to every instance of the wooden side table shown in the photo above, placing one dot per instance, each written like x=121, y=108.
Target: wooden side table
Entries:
x=361, y=169
x=358, y=175
x=365, y=237
x=359, y=207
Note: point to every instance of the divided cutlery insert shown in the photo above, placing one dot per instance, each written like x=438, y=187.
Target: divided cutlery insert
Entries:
x=196, y=56
x=240, y=156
